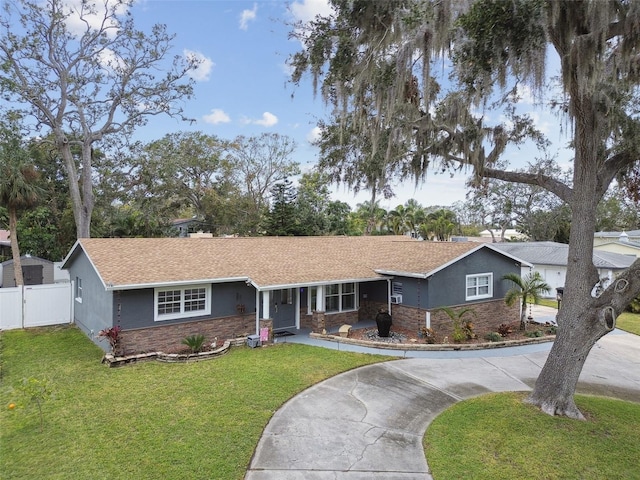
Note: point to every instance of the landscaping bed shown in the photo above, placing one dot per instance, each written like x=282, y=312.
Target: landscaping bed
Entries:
x=405, y=339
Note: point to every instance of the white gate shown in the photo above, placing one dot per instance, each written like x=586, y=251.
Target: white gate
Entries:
x=35, y=306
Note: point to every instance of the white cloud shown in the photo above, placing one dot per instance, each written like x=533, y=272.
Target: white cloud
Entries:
x=217, y=116
x=268, y=120
x=314, y=135
x=82, y=18
x=307, y=10
x=248, y=15
x=110, y=61
x=204, y=65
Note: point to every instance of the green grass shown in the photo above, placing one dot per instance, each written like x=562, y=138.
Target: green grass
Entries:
x=497, y=436
x=149, y=420
x=548, y=302
x=629, y=322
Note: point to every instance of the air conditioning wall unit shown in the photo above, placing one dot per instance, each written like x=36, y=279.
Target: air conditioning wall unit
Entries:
x=396, y=298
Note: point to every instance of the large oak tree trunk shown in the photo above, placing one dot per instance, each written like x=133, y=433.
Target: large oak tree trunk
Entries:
x=578, y=325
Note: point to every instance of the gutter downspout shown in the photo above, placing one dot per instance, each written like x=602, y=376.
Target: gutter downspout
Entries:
x=257, y=312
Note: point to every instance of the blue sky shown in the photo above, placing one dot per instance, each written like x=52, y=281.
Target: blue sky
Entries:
x=243, y=87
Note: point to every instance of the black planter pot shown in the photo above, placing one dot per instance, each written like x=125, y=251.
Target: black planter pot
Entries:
x=383, y=321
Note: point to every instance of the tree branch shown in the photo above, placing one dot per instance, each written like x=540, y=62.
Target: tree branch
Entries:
x=556, y=187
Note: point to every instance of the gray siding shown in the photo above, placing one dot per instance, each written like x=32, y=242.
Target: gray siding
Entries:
x=95, y=311
x=135, y=308
x=448, y=286
x=415, y=291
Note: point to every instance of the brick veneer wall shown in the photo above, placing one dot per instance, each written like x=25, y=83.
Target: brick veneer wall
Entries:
x=369, y=309
x=319, y=321
x=168, y=338
x=488, y=316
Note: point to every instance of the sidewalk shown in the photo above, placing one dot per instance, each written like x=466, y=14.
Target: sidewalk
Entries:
x=369, y=423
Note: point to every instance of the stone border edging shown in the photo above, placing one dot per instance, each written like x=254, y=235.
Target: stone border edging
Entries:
x=433, y=347
x=117, y=361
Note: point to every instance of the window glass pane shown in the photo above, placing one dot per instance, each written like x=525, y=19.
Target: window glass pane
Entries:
x=333, y=304
x=195, y=299
x=169, y=302
x=332, y=289
x=349, y=302
x=348, y=288
x=314, y=294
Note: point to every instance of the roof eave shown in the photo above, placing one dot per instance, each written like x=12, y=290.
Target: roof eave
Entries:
x=317, y=283
x=138, y=286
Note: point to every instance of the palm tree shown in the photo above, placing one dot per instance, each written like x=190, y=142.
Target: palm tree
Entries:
x=527, y=288
x=460, y=330
x=17, y=188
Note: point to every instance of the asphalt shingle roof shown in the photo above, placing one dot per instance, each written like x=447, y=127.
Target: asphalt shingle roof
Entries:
x=266, y=261
x=553, y=253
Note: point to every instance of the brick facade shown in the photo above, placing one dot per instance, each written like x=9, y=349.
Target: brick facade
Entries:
x=488, y=315
x=319, y=321
x=168, y=338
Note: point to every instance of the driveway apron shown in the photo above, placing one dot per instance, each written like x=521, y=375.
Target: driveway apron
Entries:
x=368, y=423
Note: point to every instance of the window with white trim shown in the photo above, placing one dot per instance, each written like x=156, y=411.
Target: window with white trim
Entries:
x=340, y=297
x=78, y=290
x=479, y=286
x=182, y=302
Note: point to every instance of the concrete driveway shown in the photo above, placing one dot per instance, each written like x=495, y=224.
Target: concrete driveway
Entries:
x=369, y=423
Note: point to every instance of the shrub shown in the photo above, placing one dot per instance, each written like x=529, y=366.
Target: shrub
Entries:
x=428, y=334
x=194, y=342
x=504, y=329
x=467, y=330
x=493, y=336
x=552, y=330
x=35, y=391
x=634, y=306
x=112, y=335
x=534, y=334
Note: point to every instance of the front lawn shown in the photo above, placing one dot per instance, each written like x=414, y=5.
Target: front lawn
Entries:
x=629, y=322
x=149, y=420
x=497, y=436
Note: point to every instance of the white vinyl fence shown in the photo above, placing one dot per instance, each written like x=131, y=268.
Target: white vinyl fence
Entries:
x=35, y=305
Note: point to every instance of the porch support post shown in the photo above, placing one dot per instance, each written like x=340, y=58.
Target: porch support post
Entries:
x=265, y=304
x=297, y=308
x=257, y=312
x=320, y=298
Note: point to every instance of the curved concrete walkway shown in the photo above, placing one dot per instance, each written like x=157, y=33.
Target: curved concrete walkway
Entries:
x=369, y=423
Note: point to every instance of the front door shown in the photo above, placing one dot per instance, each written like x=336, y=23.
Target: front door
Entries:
x=283, y=308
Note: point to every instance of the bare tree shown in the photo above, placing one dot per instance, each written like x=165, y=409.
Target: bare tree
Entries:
x=83, y=71
x=260, y=162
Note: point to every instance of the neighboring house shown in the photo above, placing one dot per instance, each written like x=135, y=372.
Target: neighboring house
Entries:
x=621, y=244
x=35, y=270
x=162, y=290
x=600, y=238
x=550, y=259
x=185, y=226
x=495, y=235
